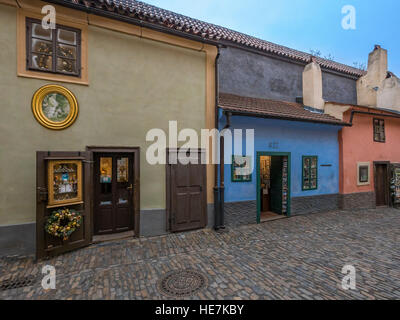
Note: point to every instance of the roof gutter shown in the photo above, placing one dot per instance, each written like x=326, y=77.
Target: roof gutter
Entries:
x=134, y=21
x=353, y=112
x=249, y=114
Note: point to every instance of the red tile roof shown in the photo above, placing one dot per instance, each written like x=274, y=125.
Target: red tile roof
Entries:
x=273, y=109
x=172, y=20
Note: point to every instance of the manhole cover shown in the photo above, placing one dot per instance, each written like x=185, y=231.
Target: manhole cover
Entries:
x=182, y=283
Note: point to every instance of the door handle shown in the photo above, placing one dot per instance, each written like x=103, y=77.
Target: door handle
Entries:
x=130, y=187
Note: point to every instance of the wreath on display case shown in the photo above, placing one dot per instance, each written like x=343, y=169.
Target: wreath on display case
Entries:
x=63, y=222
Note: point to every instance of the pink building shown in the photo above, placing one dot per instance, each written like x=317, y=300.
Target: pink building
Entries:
x=369, y=158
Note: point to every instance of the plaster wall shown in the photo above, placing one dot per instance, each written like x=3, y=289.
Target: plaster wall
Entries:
x=298, y=138
x=357, y=145
x=134, y=85
x=255, y=75
x=388, y=96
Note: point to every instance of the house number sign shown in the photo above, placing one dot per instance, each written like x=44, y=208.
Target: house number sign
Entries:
x=274, y=145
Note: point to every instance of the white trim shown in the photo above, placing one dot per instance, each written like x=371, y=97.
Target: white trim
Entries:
x=363, y=164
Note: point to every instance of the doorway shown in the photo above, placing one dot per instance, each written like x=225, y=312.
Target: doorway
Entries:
x=116, y=192
x=186, y=191
x=273, y=186
x=381, y=170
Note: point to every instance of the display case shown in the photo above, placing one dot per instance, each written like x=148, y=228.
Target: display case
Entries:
x=395, y=185
x=285, y=185
x=64, y=182
x=241, y=169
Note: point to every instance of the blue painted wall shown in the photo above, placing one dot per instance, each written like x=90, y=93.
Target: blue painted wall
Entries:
x=298, y=138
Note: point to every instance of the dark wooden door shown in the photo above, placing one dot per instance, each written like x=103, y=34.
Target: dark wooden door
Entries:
x=186, y=195
x=114, y=189
x=381, y=184
x=46, y=244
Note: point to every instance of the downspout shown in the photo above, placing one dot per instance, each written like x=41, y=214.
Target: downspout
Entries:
x=216, y=185
x=222, y=173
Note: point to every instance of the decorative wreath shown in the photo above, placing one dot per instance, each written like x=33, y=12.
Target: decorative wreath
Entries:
x=63, y=222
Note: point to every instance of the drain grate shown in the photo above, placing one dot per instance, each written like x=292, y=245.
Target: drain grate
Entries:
x=17, y=283
x=182, y=283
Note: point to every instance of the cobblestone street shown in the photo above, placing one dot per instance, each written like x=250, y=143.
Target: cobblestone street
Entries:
x=297, y=258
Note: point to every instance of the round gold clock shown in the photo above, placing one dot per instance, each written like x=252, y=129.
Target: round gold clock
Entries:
x=55, y=107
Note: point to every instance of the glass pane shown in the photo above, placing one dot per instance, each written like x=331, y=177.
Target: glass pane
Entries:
x=39, y=32
x=106, y=170
x=41, y=46
x=314, y=184
x=105, y=181
x=65, y=181
x=66, y=51
x=42, y=62
x=122, y=170
x=65, y=65
x=363, y=174
x=66, y=36
x=314, y=162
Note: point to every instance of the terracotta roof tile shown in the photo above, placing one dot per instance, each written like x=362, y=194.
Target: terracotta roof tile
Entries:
x=273, y=109
x=172, y=20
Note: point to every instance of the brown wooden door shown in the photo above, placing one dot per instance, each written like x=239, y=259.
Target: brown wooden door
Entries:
x=46, y=244
x=186, y=195
x=114, y=189
x=381, y=184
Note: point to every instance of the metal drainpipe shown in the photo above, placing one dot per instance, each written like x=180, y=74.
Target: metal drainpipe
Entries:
x=222, y=173
x=216, y=186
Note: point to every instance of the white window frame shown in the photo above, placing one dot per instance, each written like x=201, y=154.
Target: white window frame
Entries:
x=363, y=164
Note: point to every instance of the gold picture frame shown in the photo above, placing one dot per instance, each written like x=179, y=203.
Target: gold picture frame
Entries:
x=76, y=175
x=55, y=107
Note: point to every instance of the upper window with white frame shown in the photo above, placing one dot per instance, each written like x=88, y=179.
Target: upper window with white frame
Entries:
x=55, y=51
x=379, y=130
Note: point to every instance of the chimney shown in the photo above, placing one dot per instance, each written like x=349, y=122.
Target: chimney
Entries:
x=368, y=85
x=312, y=86
x=388, y=95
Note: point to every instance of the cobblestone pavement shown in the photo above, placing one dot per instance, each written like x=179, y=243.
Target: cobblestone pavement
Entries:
x=297, y=258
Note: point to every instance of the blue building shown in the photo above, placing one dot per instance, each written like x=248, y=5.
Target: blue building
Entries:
x=295, y=161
